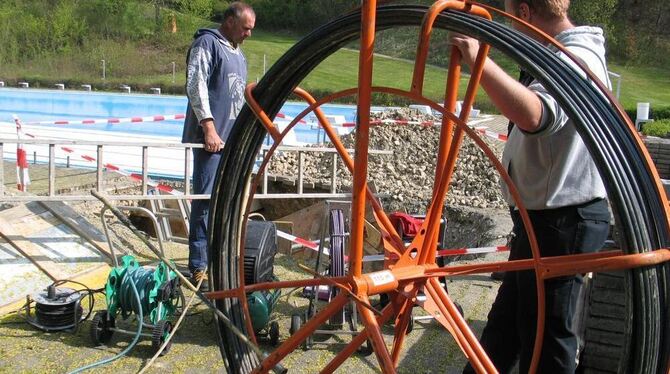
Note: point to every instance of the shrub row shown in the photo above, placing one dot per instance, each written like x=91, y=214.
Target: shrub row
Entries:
x=660, y=128
x=656, y=113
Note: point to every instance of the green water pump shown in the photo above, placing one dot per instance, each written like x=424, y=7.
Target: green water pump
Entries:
x=151, y=294
x=260, y=305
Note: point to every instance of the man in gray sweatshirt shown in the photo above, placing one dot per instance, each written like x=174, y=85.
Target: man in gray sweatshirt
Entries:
x=215, y=80
x=559, y=185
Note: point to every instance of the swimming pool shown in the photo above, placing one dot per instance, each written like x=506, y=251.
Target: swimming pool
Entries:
x=32, y=105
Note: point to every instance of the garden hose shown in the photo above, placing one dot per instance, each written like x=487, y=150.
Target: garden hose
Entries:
x=131, y=345
x=137, y=280
x=221, y=317
x=630, y=184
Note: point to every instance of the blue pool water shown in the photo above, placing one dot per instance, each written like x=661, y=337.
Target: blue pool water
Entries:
x=51, y=105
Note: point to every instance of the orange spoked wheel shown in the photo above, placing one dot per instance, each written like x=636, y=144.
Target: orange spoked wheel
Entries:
x=635, y=193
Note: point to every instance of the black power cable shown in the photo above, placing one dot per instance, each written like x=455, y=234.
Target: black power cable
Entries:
x=631, y=186
x=58, y=308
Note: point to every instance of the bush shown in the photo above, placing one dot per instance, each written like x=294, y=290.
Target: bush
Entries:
x=655, y=112
x=660, y=112
x=660, y=128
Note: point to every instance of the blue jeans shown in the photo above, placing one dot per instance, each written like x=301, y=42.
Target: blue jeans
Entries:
x=205, y=165
x=509, y=334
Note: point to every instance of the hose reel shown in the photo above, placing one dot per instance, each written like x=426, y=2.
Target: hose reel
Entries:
x=151, y=293
x=56, y=309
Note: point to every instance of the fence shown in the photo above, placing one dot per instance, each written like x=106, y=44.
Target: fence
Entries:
x=143, y=174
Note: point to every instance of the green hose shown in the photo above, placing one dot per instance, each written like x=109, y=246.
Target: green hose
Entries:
x=142, y=279
x=140, y=317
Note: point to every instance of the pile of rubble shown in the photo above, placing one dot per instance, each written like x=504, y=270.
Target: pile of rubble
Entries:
x=404, y=179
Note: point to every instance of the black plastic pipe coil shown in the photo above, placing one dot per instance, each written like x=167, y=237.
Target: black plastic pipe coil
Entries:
x=632, y=192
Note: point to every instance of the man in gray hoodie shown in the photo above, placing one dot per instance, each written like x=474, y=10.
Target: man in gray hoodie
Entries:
x=215, y=80
x=560, y=186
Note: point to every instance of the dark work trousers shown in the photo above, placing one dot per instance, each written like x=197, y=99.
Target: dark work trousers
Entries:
x=205, y=165
x=509, y=333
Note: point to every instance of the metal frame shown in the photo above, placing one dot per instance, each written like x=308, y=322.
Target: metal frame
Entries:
x=138, y=209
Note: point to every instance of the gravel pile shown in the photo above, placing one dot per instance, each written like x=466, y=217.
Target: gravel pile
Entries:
x=404, y=180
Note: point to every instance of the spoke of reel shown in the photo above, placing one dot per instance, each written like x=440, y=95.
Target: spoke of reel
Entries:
x=401, y=322
x=374, y=333
x=356, y=342
x=299, y=336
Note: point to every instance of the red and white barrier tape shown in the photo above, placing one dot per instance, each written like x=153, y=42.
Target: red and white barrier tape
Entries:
x=447, y=252
x=393, y=122
x=289, y=118
x=491, y=134
x=134, y=176
x=300, y=241
x=22, y=175
x=156, y=118
x=370, y=258
x=110, y=167
x=481, y=129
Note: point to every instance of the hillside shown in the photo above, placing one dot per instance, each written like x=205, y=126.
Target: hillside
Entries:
x=66, y=41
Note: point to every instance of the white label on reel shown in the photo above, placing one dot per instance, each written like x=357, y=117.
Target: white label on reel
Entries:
x=382, y=277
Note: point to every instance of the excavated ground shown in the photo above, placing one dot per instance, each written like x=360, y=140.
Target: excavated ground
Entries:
x=476, y=218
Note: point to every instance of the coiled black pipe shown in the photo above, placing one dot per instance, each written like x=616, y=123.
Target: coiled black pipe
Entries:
x=631, y=187
x=59, y=311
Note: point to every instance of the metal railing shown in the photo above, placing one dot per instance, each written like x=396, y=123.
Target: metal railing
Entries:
x=617, y=91
x=49, y=146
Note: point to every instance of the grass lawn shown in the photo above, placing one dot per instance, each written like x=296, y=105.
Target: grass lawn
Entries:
x=643, y=84
x=340, y=70
x=142, y=65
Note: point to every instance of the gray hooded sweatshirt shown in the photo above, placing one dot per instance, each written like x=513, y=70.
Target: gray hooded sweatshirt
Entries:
x=552, y=167
x=215, y=81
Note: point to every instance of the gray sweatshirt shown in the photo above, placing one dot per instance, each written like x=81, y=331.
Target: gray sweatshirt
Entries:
x=552, y=167
x=215, y=80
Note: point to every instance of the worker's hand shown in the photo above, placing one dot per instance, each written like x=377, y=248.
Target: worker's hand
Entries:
x=213, y=142
x=467, y=45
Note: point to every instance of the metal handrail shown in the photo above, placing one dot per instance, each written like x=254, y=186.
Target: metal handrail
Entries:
x=144, y=195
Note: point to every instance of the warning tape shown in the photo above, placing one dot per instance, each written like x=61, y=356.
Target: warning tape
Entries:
x=370, y=258
x=393, y=122
x=448, y=252
x=302, y=242
x=491, y=134
x=481, y=129
x=138, y=177
x=156, y=118
x=289, y=118
x=111, y=120
x=22, y=174
x=22, y=160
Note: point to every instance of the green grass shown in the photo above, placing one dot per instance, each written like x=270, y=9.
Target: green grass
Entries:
x=145, y=64
x=643, y=84
x=340, y=70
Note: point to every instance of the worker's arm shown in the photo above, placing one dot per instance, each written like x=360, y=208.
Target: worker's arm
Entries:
x=515, y=101
x=197, y=89
x=198, y=72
